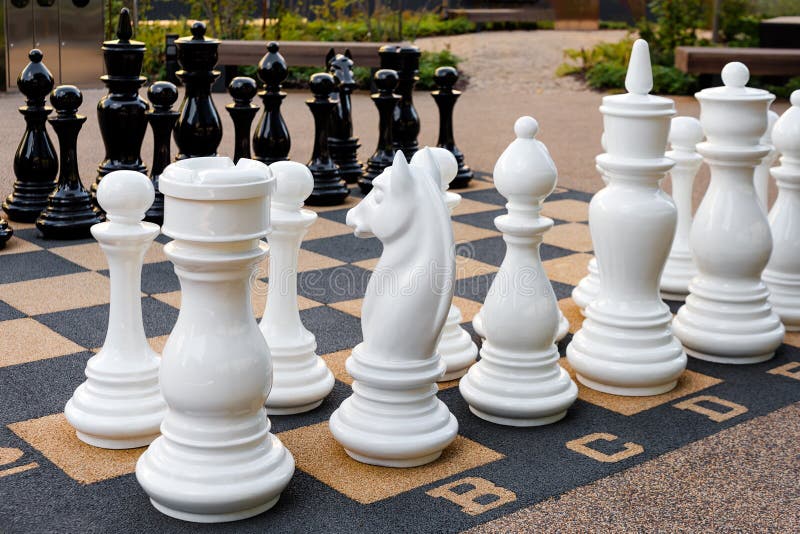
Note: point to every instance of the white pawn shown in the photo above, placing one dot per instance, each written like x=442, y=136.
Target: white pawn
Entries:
x=216, y=459
x=782, y=274
x=589, y=286
x=518, y=380
x=626, y=346
x=300, y=378
x=455, y=346
x=761, y=179
x=727, y=317
x=120, y=405
x=684, y=134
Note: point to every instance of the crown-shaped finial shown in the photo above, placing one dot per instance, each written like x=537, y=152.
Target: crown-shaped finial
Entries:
x=124, y=26
x=639, y=79
x=786, y=132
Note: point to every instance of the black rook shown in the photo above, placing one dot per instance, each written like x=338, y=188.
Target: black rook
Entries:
x=242, y=89
x=35, y=163
x=385, y=100
x=162, y=120
x=271, y=141
x=445, y=97
x=69, y=213
x=329, y=188
x=199, y=130
x=344, y=147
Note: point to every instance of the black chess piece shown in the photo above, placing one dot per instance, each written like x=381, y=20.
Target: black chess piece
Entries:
x=69, y=213
x=344, y=147
x=445, y=96
x=199, y=130
x=162, y=118
x=271, y=140
x=329, y=188
x=242, y=89
x=386, y=101
x=5, y=232
x=121, y=113
x=35, y=163
x=406, y=122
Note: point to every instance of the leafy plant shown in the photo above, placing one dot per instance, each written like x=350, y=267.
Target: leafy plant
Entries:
x=676, y=24
x=738, y=25
x=226, y=19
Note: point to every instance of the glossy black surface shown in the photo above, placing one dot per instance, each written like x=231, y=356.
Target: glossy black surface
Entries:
x=242, y=89
x=162, y=120
x=271, y=140
x=5, y=232
x=198, y=131
x=121, y=112
x=69, y=213
x=386, y=101
x=405, y=121
x=329, y=187
x=343, y=146
x=35, y=162
x=445, y=96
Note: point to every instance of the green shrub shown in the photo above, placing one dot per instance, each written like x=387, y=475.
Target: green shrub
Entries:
x=783, y=91
x=614, y=25
x=675, y=25
x=738, y=25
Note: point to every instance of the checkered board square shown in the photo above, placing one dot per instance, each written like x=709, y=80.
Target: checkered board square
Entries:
x=54, y=313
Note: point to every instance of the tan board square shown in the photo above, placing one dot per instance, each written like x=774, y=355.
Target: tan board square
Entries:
x=157, y=343
x=792, y=338
x=323, y=227
x=568, y=270
x=467, y=232
x=351, y=307
x=59, y=293
x=467, y=206
x=91, y=256
x=476, y=184
x=26, y=340
x=572, y=312
x=319, y=455
x=173, y=298
x=572, y=236
x=55, y=439
x=349, y=202
x=468, y=308
x=567, y=210
x=18, y=246
x=306, y=261
x=689, y=382
x=465, y=267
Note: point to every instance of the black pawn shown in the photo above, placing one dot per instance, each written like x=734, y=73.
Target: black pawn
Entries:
x=121, y=113
x=199, y=130
x=329, y=188
x=445, y=78
x=5, y=232
x=271, y=141
x=344, y=147
x=406, y=123
x=162, y=120
x=242, y=89
x=35, y=163
x=69, y=213
x=385, y=100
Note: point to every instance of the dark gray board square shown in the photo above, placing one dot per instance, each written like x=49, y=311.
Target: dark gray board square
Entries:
x=334, y=329
x=7, y=312
x=35, y=265
x=345, y=282
x=34, y=236
x=347, y=247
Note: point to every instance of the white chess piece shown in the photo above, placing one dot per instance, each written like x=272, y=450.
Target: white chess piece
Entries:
x=120, y=404
x=684, y=134
x=782, y=274
x=455, y=346
x=626, y=346
x=518, y=380
x=761, y=176
x=589, y=286
x=216, y=459
x=393, y=418
x=727, y=317
x=563, y=325
x=300, y=378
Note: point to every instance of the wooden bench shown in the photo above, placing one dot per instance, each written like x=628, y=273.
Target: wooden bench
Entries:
x=297, y=53
x=484, y=15
x=760, y=61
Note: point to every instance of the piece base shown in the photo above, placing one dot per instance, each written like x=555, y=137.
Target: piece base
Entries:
x=115, y=444
x=454, y=375
x=292, y=410
x=384, y=462
x=214, y=518
x=520, y=422
x=729, y=359
x=623, y=391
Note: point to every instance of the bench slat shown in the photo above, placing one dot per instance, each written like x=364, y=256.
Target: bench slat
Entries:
x=760, y=61
x=297, y=53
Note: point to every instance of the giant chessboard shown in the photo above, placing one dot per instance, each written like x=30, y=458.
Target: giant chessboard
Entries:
x=595, y=462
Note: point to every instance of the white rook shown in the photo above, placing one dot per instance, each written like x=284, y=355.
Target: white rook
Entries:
x=727, y=317
x=120, y=404
x=518, y=381
x=626, y=346
x=216, y=459
x=300, y=379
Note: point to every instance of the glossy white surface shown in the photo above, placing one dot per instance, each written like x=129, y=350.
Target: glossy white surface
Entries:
x=727, y=318
x=216, y=459
x=455, y=347
x=518, y=380
x=761, y=177
x=119, y=406
x=782, y=274
x=626, y=346
x=393, y=418
x=300, y=378
x=684, y=134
